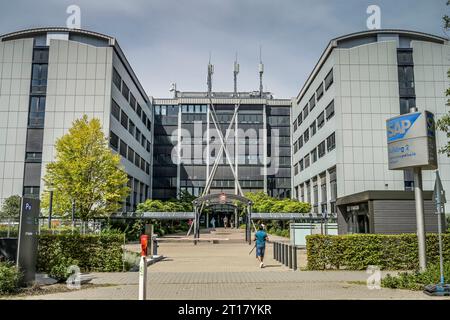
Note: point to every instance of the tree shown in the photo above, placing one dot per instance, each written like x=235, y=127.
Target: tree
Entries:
x=87, y=172
x=443, y=123
x=10, y=207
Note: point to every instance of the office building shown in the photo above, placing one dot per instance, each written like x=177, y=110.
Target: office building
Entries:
x=340, y=162
x=51, y=76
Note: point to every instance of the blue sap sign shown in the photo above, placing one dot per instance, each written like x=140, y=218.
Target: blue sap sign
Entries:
x=399, y=126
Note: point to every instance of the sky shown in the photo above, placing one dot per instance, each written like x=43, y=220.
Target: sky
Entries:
x=170, y=41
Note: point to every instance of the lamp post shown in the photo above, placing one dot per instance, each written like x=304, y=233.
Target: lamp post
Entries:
x=50, y=209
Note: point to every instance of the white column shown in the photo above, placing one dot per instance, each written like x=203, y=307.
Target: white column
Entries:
x=236, y=148
x=265, y=147
x=179, y=154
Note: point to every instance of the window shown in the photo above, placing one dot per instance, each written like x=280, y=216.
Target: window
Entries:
x=115, y=110
x=330, y=110
x=300, y=142
x=36, y=113
x=148, y=146
x=117, y=80
x=305, y=112
x=321, y=120
x=296, y=169
x=331, y=142
x=295, y=125
x=130, y=155
x=312, y=102
x=307, y=163
x=124, y=120
x=31, y=192
x=329, y=79
x=123, y=149
x=137, y=160
x=319, y=92
x=149, y=124
x=406, y=76
x=138, y=135
x=405, y=57
x=125, y=91
x=132, y=101
x=306, y=136
x=39, y=78
x=144, y=141
x=131, y=127
x=139, y=111
x=295, y=146
x=406, y=104
x=113, y=140
x=313, y=128
x=299, y=119
x=321, y=149
x=301, y=165
x=147, y=168
x=33, y=157
x=144, y=118
x=314, y=155
x=40, y=55
x=142, y=164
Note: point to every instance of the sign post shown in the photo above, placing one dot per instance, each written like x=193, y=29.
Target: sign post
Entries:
x=27, y=245
x=412, y=144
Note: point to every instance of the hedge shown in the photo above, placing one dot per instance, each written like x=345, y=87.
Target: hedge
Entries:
x=99, y=253
x=9, y=278
x=358, y=251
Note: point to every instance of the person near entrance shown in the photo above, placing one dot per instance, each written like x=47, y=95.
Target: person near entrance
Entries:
x=232, y=222
x=260, y=239
x=225, y=222
x=213, y=222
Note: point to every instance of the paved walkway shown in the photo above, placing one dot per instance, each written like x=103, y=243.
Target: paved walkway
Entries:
x=227, y=271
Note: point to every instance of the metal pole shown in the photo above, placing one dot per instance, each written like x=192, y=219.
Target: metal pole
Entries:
x=290, y=257
x=420, y=218
x=143, y=278
x=73, y=215
x=50, y=210
x=294, y=248
x=274, y=250
x=441, y=258
x=278, y=252
x=286, y=255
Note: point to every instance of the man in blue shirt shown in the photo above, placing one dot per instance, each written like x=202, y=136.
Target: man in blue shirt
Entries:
x=260, y=238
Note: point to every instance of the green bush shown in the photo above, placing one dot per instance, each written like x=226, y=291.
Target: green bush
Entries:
x=9, y=278
x=416, y=280
x=100, y=253
x=358, y=251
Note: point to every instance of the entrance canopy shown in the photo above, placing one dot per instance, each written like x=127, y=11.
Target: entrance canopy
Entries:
x=221, y=198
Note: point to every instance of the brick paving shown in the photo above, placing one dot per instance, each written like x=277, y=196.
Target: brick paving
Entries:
x=227, y=271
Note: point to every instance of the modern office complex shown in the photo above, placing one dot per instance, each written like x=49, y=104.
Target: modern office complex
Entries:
x=258, y=143
x=340, y=161
x=49, y=78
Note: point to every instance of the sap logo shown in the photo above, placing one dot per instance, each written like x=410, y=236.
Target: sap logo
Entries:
x=397, y=128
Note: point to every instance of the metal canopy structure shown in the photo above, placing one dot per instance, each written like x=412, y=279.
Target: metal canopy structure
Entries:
x=156, y=215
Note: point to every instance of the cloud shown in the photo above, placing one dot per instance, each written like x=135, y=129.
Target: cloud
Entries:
x=170, y=40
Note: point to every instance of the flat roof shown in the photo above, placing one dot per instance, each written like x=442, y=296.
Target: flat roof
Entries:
x=381, y=195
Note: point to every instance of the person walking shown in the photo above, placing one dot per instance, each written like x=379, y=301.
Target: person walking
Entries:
x=232, y=221
x=213, y=222
x=225, y=222
x=260, y=239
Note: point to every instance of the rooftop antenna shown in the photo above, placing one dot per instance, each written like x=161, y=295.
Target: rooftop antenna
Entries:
x=235, y=73
x=261, y=71
x=210, y=73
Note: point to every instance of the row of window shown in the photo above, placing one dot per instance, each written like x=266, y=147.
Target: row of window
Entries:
x=314, y=99
x=122, y=87
x=316, y=125
x=128, y=153
x=325, y=146
x=129, y=125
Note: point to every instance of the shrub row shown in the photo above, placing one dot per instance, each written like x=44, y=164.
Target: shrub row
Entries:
x=91, y=253
x=357, y=251
x=9, y=278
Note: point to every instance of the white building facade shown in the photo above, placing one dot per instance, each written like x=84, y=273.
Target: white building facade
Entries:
x=53, y=76
x=339, y=116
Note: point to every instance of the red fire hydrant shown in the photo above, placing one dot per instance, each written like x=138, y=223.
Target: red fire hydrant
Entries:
x=144, y=245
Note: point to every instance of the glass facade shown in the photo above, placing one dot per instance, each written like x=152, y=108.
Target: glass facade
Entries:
x=186, y=128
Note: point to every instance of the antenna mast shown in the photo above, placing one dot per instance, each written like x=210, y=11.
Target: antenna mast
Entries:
x=235, y=73
x=261, y=71
x=210, y=73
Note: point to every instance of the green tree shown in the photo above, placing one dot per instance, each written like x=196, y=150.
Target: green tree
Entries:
x=443, y=123
x=87, y=172
x=10, y=207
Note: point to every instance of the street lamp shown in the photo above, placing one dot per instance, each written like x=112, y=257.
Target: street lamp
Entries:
x=50, y=209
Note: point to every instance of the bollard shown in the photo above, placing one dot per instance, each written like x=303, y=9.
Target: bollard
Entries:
x=290, y=257
x=274, y=248
x=155, y=246
x=286, y=252
x=282, y=253
x=143, y=278
x=294, y=256
x=278, y=252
